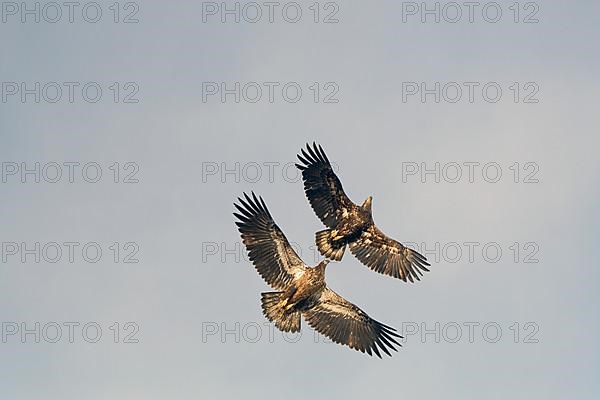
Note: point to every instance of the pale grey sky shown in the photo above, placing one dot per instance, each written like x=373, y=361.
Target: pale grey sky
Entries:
x=191, y=295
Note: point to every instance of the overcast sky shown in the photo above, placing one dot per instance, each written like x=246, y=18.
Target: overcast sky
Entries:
x=476, y=135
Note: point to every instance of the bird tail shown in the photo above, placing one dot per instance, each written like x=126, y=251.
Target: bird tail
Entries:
x=273, y=305
x=327, y=247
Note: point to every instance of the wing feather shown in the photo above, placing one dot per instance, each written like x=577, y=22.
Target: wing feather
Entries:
x=387, y=256
x=322, y=186
x=268, y=248
x=344, y=323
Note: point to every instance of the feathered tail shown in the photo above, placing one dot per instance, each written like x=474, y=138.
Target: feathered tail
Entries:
x=327, y=247
x=273, y=306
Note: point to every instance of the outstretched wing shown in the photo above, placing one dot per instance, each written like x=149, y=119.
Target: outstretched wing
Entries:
x=387, y=256
x=323, y=188
x=344, y=323
x=269, y=250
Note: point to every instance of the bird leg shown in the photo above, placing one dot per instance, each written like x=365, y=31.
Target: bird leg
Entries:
x=285, y=304
x=335, y=235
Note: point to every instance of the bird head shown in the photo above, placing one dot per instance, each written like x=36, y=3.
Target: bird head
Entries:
x=367, y=204
x=322, y=265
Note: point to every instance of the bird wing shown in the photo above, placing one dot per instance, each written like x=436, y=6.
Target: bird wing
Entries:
x=322, y=187
x=268, y=248
x=344, y=323
x=387, y=256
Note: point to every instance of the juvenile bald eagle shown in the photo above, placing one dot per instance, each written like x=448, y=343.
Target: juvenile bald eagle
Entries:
x=350, y=224
x=301, y=290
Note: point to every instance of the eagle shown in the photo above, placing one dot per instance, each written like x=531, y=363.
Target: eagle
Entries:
x=352, y=225
x=301, y=290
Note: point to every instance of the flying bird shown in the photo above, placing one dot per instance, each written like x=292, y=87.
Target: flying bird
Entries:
x=301, y=290
x=352, y=225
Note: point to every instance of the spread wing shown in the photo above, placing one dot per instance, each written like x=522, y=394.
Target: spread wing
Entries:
x=269, y=250
x=323, y=188
x=344, y=323
x=387, y=256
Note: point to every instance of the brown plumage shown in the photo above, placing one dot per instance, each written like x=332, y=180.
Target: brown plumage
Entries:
x=352, y=225
x=301, y=290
